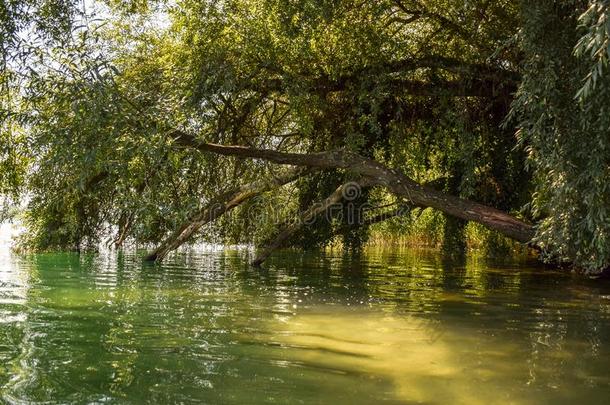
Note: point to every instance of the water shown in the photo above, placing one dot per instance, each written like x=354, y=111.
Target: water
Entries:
x=387, y=327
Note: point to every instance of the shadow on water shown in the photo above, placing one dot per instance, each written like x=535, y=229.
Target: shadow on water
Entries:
x=383, y=326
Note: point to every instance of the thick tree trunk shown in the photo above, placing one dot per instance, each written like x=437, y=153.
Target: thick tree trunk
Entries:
x=217, y=207
x=396, y=182
x=305, y=217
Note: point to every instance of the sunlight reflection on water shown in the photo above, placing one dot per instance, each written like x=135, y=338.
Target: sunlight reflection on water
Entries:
x=393, y=327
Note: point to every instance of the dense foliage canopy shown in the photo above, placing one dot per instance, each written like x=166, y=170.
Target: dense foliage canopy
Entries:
x=111, y=112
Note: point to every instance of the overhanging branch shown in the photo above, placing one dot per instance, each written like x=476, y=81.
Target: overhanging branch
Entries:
x=218, y=207
x=396, y=182
x=305, y=217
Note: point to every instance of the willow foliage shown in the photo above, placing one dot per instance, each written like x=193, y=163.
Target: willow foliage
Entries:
x=92, y=96
x=564, y=121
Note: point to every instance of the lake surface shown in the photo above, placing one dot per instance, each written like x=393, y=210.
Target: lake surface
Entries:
x=396, y=327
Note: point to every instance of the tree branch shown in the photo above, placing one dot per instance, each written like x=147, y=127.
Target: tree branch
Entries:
x=305, y=217
x=219, y=206
x=396, y=182
x=477, y=80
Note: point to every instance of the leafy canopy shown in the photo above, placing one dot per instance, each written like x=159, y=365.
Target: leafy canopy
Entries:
x=502, y=102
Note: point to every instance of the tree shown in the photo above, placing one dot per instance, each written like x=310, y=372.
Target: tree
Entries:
x=146, y=125
x=562, y=114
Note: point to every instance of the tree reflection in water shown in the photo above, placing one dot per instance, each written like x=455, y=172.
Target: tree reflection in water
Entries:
x=383, y=326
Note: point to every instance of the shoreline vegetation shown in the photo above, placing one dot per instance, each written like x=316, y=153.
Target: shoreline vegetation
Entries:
x=424, y=237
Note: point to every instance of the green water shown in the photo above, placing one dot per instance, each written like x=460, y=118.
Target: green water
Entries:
x=386, y=327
